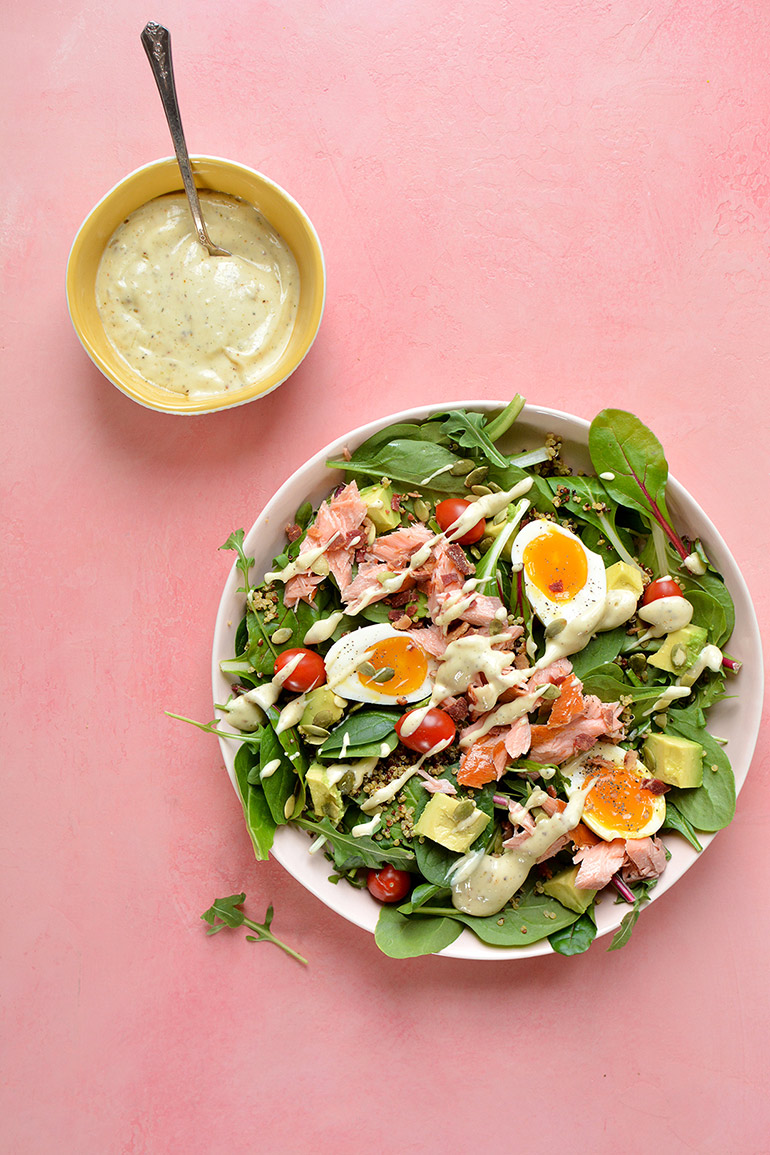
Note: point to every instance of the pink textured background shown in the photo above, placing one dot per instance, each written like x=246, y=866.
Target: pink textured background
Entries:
x=571, y=199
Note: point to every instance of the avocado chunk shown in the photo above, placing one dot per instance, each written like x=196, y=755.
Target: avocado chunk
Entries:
x=452, y=822
x=562, y=888
x=680, y=650
x=377, y=499
x=673, y=760
x=327, y=800
x=622, y=576
x=323, y=708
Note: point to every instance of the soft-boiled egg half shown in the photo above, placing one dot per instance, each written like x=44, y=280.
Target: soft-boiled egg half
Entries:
x=618, y=805
x=379, y=664
x=562, y=579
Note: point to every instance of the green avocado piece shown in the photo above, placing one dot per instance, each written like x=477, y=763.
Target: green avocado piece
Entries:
x=327, y=799
x=673, y=760
x=452, y=822
x=562, y=888
x=680, y=649
x=378, y=500
x=322, y=708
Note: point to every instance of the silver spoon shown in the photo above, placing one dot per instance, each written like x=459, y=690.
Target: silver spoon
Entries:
x=157, y=44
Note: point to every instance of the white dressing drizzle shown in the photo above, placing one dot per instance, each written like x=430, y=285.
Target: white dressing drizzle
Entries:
x=323, y=629
x=504, y=715
x=486, y=507
x=385, y=793
x=492, y=880
x=367, y=827
x=666, y=615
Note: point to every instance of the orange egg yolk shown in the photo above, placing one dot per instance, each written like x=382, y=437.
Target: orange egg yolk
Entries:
x=619, y=801
x=405, y=658
x=556, y=565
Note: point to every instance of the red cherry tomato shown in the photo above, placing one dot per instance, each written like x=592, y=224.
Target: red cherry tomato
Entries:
x=447, y=513
x=389, y=884
x=435, y=727
x=664, y=587
x=308, y=673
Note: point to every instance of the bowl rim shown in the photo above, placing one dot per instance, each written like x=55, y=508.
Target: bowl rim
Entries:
x=217, y=402
x=289, y=840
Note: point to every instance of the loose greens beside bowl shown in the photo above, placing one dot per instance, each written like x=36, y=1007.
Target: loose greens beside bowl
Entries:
x=406, y=450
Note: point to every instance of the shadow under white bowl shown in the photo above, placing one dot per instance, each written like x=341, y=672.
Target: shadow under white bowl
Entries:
x=736, y=719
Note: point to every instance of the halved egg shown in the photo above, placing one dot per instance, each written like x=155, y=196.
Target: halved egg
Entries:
x=379, y=664
x=618, y=806
x=562, y=579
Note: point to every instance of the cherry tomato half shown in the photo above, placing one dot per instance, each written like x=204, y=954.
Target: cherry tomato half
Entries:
x=447, y=513
x=664, y=587
x=389, y=884
x=435, y=727
x=308, y=673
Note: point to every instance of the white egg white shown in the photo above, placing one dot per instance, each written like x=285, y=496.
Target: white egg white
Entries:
x=587, y=604
x=346, y=655
x=575, y=773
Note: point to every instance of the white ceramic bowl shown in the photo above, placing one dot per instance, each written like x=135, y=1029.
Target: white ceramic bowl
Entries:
x=736, y=718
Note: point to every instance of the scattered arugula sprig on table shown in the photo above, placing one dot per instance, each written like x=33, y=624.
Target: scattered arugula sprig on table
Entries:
x=226, y=912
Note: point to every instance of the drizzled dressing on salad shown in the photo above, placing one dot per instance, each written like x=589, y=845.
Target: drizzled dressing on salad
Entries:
x=535, y=653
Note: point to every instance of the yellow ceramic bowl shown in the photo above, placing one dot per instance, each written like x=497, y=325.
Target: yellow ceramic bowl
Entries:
x=153, y=180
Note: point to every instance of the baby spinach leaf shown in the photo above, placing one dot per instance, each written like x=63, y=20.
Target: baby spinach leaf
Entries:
x=421, y=894
x=622, y=445
x=712, y=587
x=259, y=821
x=535, y=917
x=675, y=820
x=711, y=806
x=365, y=730
x=418, y=463
x=708, y=613
x=602, y=649
x=279, y=786
x=400, y=936
x=574, y=939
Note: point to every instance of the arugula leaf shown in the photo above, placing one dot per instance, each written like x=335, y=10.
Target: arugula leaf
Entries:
x=226, y=912
x=244, y=563
x=399, y=936
x=349, y=852
x=467, y=429
x=622, y=445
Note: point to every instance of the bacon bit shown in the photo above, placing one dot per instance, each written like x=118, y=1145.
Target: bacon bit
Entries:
x=456, y=708
x=293, y=531
x=655, y=786
x=399, y=621
x=398, y=599
x=395, y=503
x=346, y=454
x=557, y=587
x=457, y=554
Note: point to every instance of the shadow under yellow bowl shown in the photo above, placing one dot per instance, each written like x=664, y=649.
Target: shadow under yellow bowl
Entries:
x=154, y=180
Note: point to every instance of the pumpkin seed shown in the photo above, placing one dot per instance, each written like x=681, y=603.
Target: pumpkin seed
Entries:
x=281, y=636
x=461, y=467
x=367, y=669
x=421, y=509
x=495, y=487
x=477, y=475
x=384, y=674
x=555, y=627
x=313, y=731
x=480, y=490
x=289, y=805
x=463, y=810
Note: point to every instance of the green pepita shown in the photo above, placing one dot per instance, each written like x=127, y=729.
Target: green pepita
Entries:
x=367, y=669
x=480, y=490
x=477, y=475
x=421, y=509
x=463, y=810
x=384, y=674
x=554, y=628
x=461, y=467
x=281, y=636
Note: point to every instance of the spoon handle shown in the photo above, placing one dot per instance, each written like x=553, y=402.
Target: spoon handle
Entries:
x=157, y=44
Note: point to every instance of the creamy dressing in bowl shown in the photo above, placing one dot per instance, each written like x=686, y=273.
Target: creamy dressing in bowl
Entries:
x=192, y=323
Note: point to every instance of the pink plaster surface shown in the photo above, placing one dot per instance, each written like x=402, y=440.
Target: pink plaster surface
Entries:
x=568, y=199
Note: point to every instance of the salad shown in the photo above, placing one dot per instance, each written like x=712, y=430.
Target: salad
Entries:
x=480, y=682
